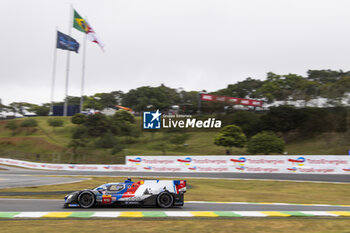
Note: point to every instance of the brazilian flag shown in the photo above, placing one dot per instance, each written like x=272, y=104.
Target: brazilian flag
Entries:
x=79, y=23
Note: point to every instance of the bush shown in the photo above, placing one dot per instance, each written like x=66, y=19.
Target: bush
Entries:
x=78, y=119
x=123, y=115
x=54, y=122
x=12, y=125
x=265, y=143
x=29, y=123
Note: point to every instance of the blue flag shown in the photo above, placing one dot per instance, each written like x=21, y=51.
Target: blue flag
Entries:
x=66, y=42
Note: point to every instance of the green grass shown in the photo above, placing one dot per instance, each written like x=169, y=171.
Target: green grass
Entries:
x=205, y=225
x=51, y=144
x=226, y=190
x=322, y=144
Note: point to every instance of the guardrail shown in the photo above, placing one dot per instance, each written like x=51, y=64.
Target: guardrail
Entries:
x=316, y=164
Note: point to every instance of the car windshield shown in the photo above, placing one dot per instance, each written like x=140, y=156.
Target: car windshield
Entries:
x=101, y=187
x=115, y=187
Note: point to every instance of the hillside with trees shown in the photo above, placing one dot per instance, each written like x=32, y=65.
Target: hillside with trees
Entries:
x=329, y=84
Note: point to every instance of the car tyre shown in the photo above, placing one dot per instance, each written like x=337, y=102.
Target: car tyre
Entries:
x=165, y=200
x=86, y=199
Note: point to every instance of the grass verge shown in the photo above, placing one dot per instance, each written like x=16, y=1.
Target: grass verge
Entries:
x=180, y=225
x=226, y=190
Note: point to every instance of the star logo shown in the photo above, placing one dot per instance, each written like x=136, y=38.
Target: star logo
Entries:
x=156, y=115
x=151, y=120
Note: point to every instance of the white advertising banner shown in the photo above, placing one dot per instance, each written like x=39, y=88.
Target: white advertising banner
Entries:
x=316, y=164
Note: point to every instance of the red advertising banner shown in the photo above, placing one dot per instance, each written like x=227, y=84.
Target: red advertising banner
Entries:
x=247, y=102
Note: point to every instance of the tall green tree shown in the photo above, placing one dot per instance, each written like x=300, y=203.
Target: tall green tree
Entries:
x=155, y=97
x=230, y=136
x=244, y=89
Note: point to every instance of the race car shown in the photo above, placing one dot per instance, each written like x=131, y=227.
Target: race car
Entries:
x=161, y=193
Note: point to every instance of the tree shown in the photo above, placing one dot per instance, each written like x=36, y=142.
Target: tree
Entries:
x=42, y=110
x=20, y=107
x=78, y=119
x=93, y=102
x=244, y=89
x=265, y=143
x=282, y=119
x=106, y=141
x=159, y=97
x=249, y=122
x=231, y=136
x=122, y=123
x=55, y=122
x=109, y=100
x=79, y=132
x=97, y=125
x=326, y=76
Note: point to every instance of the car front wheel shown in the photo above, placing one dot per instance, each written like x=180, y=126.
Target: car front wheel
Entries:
x=86, y=199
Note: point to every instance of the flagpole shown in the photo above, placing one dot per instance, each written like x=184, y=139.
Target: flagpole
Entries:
x=70, y=25
x=53, y=74
x=83, y=75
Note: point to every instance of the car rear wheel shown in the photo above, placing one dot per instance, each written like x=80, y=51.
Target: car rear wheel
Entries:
x=86, y=199
x=165, y=200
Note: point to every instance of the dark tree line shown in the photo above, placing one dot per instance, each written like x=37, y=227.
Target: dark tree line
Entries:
x=330, y=84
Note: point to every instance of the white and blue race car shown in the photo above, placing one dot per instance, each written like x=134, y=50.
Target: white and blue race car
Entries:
x=161, y=193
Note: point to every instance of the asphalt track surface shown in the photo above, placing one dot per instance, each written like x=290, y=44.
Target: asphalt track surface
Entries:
x=57, y=205
x=18, y=177
x=8, y=180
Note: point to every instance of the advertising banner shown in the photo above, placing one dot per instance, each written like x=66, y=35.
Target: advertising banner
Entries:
x=233, y=100
x=317, y=164
x=313, y=164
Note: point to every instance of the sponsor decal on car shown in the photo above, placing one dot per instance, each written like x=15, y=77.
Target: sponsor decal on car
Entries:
x=106, y=198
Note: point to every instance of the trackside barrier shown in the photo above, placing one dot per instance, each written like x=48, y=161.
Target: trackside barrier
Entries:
x=313, y=164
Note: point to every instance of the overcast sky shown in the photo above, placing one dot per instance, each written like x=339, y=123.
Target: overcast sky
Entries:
x=193, y=44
